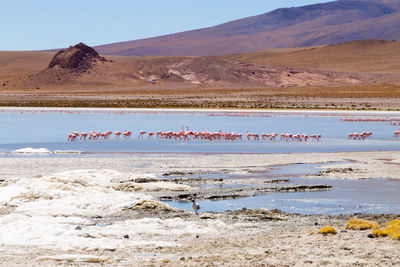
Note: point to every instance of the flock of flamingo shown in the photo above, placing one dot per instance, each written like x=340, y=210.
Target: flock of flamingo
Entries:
x=97, y=135
x=193, y=135
x=211, y=136
x=220, y=135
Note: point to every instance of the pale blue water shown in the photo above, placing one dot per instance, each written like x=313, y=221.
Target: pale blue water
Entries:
x=380, y=196
x=50, y=129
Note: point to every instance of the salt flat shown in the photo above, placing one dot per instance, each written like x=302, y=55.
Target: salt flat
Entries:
x=68, y=210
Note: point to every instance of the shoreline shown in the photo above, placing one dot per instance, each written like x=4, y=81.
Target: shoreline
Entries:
x=77, y=153
x=207, y=110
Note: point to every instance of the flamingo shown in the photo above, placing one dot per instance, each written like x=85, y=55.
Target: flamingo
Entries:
x=72, y=136
x=117, y=134
x=265, y=136
x=304, y=137
x=127, y=134
x=141, y=134
x=353, y=136
x=83, y=135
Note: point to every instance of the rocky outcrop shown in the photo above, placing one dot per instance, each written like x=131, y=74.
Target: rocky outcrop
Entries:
x=79, y=58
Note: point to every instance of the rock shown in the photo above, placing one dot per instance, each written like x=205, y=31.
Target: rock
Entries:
x=126, y=236
x=150, y=205
x=209, y=215
x=79, y=57
x=177, y=173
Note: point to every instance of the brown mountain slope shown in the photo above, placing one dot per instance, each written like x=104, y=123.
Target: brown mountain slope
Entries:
x=80, y=67
x=318, y=24
x=16, y=64
x=365, y=56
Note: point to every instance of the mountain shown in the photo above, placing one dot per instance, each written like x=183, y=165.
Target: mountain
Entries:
x=78, y=66
x=81, y=68
x=312, y=25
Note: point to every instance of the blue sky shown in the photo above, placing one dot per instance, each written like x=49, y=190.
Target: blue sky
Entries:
x=45, y=24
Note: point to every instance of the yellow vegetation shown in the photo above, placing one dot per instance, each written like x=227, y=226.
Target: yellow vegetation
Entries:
x=378, y=233
x=327, y=230
x=358, y=224
x=392, y=230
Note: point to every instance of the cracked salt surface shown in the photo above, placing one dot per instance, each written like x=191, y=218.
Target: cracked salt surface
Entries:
x=55, y=212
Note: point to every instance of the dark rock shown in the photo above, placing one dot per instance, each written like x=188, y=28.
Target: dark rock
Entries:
x=370, y=236
x=78, y=227
x=177, y=173
x=126, y=236
x=79, y=57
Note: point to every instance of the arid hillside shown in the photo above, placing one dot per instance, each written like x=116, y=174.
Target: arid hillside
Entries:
x=312, y=25
x=354, y=75
x=364, y=56
x=80, y=68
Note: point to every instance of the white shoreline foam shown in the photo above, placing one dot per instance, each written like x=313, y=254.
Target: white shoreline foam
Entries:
x=30, y=150
x=67, y=152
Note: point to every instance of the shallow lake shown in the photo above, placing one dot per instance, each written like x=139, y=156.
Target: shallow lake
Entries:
x=49, y=128
x=380, y=196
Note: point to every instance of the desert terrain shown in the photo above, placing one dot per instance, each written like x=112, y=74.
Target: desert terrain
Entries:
x=360, y=75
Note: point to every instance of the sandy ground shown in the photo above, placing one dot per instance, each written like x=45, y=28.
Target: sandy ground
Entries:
x=328, y=112
x=63, y=211
x=251, y=99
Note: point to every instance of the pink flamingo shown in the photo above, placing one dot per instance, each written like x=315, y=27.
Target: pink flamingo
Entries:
x=117, y=134
x=84, y=135
x=396, y=134
x=353, y=136
x=127, y=134
x=297, y=137
x=265, y=136
x=365, y=135
x=72, y=136
x=141, y=134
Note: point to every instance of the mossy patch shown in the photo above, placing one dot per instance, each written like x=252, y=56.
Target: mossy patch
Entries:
x=358, y=224
x=392, y=230
x=327, y=230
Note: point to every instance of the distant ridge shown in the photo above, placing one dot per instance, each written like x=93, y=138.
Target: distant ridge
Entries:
x=318, y=24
